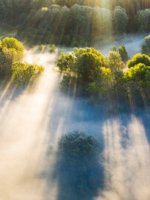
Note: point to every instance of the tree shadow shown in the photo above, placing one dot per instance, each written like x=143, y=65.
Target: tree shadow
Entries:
x=79, y=169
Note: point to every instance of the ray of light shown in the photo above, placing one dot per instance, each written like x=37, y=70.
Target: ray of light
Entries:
x=127, y=168
x=22, y=142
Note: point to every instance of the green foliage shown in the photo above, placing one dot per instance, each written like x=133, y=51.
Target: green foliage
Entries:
x=78, y=145
x=80, y=174
x=123, y=53
x=101, y=86
x=24, y=73
x=139, y=58
x=41, y=48
x=139, y=73
x=146, y=45
x=82, y=65
x=105, y=77
x=137, y=79
x=52, y=48
x=11, y=50
x=11, y=43
x=88, y=64
x=114, y=61
x=144, y=19
x=93, y=73
x=66, y=62
x=120, y=19
x=73, y=22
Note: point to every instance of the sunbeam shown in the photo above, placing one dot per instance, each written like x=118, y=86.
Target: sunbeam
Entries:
x=127, y=167
x=75, y=100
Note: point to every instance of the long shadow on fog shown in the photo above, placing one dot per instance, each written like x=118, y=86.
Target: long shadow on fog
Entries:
x=8, y=96
x=79, y=170
x=84, y=178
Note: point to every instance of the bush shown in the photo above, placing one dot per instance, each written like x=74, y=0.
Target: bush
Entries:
x=146, y=46
x=24, y=73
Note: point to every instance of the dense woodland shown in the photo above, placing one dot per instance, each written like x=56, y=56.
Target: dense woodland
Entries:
x=74, y=22
x=86, y=71
x=113, y=78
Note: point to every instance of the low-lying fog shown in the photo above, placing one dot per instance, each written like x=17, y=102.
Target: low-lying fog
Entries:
x=132, y=42
x=33, y=120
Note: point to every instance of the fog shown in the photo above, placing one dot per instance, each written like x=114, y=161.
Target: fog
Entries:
x=132, y=42
x=126, y=159
x=32, y=121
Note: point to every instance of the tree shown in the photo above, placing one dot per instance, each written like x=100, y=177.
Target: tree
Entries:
x=123, y=53
x=120, y=19
x=88, y=64
x=14, y=47
x=138, y=82
x=139, y=58
x=114, y=61
x=143, y=17
x=139, y=73
x=146, y=45
x=80, y=174
x=66, y=62
x=83, y=65
x=11, y=50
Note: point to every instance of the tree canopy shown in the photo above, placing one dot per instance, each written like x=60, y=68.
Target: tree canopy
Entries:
x=74, y=22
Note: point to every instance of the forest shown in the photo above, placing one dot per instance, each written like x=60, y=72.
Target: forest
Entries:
x=75, y=99
x=74, y=22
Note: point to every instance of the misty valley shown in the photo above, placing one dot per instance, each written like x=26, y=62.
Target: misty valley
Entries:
x=74, y=100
